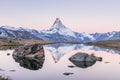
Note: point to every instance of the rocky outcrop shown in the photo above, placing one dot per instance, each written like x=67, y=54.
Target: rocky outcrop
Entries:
x=33, y=50
x=84, y=60
x=30, y=56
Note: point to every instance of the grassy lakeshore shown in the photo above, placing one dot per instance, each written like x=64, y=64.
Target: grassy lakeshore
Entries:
x=6, y=42
x=9, y=43
x=20, y=42
x=110, y=44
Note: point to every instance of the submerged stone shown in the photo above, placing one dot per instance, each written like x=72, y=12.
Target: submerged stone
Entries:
x=71, y=66
x=68, y=73
x=8, y=54
x=12, y=70
x=106, y=62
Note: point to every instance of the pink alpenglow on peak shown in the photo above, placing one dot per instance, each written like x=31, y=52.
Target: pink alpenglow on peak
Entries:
x=57, y=19
x=57, y=22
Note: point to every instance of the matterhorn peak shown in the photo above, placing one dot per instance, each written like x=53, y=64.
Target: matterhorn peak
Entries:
x=57, y=21
x=61, y=29
x=58, y=24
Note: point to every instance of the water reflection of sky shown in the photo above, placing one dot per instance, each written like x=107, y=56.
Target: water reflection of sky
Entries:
x=59, y=50
x=54, y=71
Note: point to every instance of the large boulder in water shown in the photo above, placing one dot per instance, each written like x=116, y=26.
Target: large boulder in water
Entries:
x=84, y=60
x=33, y=50
x=30, y=56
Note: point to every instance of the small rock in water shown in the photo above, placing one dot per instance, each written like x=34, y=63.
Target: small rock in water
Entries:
x=106, y=62
x=67, y=73
x=8, y=54
x=71, y=66
x=12, y=70
x=2, y=70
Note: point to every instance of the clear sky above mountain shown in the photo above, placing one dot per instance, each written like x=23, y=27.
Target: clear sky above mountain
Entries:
x=78, y=15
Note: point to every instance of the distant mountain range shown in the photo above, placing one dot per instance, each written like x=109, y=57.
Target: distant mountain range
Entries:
x=58, y=32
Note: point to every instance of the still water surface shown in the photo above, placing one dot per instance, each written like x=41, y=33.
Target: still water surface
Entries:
x=57, y=61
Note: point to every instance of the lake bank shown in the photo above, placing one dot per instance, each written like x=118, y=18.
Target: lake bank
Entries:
x=110, y=44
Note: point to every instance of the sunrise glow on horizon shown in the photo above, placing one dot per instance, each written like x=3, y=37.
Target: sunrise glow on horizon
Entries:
x=78, y=15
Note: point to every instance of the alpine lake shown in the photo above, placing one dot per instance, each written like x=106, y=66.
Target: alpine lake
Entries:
x=57, y=65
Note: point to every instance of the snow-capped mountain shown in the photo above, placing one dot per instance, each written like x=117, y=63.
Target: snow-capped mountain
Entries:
x=21, y=33
x=106, y=36
x=61, y=29
x=58, y=32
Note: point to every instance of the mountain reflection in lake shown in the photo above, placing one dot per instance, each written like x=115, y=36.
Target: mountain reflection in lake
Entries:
x=57, y=61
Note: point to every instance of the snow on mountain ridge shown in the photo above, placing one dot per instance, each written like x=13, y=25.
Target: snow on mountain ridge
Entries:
x=111, y=34
x=3, y=33
x=9, y=27
x=88, y=35
x=13, y=28
x=61, y=29
x=57, y=32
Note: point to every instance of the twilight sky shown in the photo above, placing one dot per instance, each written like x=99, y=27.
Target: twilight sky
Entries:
x=78, y=15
